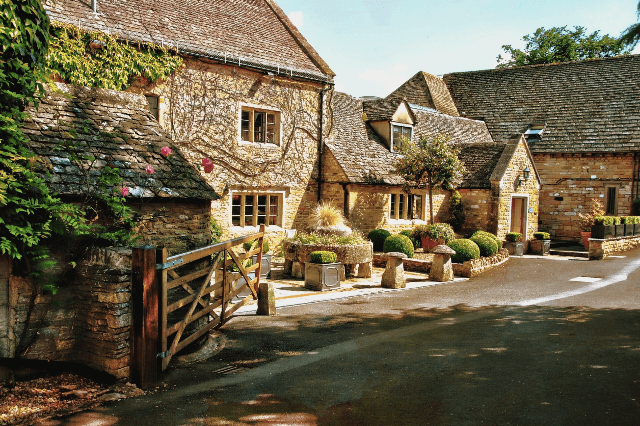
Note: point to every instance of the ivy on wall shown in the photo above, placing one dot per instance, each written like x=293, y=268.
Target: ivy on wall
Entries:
x=100, y=60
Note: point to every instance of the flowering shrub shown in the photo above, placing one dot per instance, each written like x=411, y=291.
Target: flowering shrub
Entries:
x=149, y=169
x=166, y=151
x=208, y=165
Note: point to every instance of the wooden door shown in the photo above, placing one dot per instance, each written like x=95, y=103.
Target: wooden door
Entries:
x=518, y=211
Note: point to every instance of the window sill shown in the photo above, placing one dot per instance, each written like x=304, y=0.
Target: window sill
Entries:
x=259, y=144
x=254, y=229
x=407, y=222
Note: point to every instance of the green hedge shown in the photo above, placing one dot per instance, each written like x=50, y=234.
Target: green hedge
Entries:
x=323, y=256
x=514, y=236
x=465, y=250
x=400, y=243
x=486, y=244
x=377, y=237
x=490, y=235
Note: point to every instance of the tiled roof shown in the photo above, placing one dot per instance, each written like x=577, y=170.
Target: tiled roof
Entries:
x=115, y=128
x=588, y=106
x=426, y=90
x=380, y=109
x=365, y=158
x=247, y=32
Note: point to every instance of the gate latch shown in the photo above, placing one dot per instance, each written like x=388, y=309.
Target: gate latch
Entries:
x=161, y=266
x=163, y=354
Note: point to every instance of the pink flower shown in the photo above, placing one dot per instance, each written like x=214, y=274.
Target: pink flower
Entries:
x=166, y=151
x=149, y=169
x=208, y=165
x=125, y=191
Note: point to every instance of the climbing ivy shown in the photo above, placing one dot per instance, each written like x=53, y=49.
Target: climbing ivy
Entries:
x=96, y=59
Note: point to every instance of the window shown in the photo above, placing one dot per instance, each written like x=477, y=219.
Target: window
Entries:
x=398, y=131
x=153, y=105
x=256, y=209
x=259, y=126
x=612, y=195
x=534, y=132
x=403, y=206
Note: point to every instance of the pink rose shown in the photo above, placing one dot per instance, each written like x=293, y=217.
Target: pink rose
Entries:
x=149, y=169
x=208, y=165
x=166, y=151
x=125, y=191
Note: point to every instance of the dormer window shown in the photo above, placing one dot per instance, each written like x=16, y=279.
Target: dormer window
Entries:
x=534, y=132
x=398, y=131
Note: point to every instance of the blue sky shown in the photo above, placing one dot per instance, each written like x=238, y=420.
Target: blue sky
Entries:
x=375, y=45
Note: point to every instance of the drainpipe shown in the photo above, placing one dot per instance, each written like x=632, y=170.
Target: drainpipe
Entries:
x=94, y=5
x=325, y=89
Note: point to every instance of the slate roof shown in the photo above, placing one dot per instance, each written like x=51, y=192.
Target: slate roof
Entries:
x=380, y=109
x=248, y=32
x=117, y=129
x=426, y=90
x=587, y=106
x=365, y=157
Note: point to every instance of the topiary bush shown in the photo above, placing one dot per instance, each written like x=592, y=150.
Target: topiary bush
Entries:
x=486, y=244
x=377, y=237
x=514, y=236
x=409, y=233
x=323, y=256
x=400, y=243
x=490, y=235
x=436, y=231
x=541, y=236
x=457, y=216
x=465, y=250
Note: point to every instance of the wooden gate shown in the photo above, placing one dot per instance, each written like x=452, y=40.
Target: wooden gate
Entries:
x=216, y=276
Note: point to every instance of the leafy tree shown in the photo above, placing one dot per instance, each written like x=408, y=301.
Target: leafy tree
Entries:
x=430, y=163
x=631, y=36
x=559, y=44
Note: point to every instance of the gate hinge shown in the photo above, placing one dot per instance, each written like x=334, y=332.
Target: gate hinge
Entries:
x=163, y=354
x=161, y=266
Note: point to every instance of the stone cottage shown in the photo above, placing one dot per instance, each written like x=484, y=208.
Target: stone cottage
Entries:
x=77, y=132
x=582, y=124
x=500, y=188
x=252, y=97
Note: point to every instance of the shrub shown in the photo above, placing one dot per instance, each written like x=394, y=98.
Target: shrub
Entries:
x=400, y=243
x=409, y=234
x=325, y=215
x=465, y=250
x=630, y=220
x=514, y=236
x=457, y=217
x=216, y=231
x=607, y=220
x=249, y=245
x=588, y=219
x=377, y=237
x=323, y=256
x=490, y=235
x=635, y=207
x=329, y=239
x=541, y=235
x=486, y=244
x=436, y=231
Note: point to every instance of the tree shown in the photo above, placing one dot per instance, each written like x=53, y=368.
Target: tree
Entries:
x=631, y=36
x=430, y=163
x=559, y=44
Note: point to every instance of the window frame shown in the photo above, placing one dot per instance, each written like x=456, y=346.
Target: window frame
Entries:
x=391, y=139
x=402, y=206
x=250, y=129
x=242, y=216
x=155, y=111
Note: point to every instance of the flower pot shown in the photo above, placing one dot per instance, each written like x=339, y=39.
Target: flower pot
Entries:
x=585, y=239
x=602, y=232
x=265, y=268
x=540, y=247
x=619, y=230
x=636, y=229
x=628, y=230
x=516, y=248
x=428, y=244
x=322, y=276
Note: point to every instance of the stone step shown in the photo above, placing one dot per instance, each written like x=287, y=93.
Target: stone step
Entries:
x=572, y=253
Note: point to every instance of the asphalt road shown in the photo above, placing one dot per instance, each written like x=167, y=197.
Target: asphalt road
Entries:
x=533, y=342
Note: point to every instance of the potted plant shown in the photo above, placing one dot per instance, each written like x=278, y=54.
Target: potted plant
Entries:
x=587, y=221
x=433, y=235
x=265, y=268
x=322, y=272
x=514, y=244
x=603, y=227
x=636, y=227
x=628, y=222
x=617, y=221
x=541, y=244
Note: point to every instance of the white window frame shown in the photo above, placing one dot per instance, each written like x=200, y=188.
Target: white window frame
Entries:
x=251, y=108
x=398, y=216
x=392, y=143
x=244, y=193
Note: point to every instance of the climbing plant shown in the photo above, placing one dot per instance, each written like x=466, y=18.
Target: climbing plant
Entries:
x=97, y=59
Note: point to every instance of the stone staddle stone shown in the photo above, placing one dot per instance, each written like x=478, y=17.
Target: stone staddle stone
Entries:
x=441, y=267
x=393, y=275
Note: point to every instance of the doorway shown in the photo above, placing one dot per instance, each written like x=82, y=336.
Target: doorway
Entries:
x=519, y=215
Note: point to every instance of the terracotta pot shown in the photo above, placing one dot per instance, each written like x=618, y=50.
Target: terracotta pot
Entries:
x=428, y=244
x=585, y=239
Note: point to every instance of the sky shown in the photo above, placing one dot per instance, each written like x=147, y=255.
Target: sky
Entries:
x=374, y=46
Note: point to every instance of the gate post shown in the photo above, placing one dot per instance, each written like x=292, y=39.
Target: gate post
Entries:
x=144, y=312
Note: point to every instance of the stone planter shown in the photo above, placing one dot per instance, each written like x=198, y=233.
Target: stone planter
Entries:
x=515, y=248
x=265, y=268
x=602, y=232
x=322, y=276
x=619, y=230
x=585, y=239
x=540, y=247
x=356, y=258
x=629, y=230
x=636, y=229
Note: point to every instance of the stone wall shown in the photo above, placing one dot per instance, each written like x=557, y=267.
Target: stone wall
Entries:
x=474, y=267
x=88, y=320
x=570, y=182
x=479, y=211
x=600, y=249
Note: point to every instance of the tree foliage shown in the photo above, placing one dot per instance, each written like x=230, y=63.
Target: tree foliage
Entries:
x=430, y=163
x=560, y=44
x=631, y=36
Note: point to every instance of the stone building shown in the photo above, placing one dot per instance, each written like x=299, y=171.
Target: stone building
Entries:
x=252, y=98
x=582, y=124
x=359, y=162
